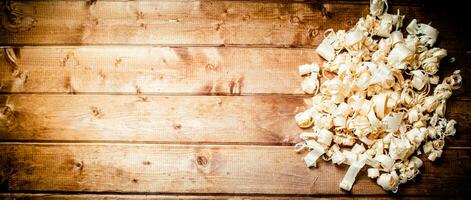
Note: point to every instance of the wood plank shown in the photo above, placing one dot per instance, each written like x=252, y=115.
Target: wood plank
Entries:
x=93, y=70
x=165, y=22
x=170, y=119
x=202, y=169
x=163, y=70
x=251, y=119
x=189, y=22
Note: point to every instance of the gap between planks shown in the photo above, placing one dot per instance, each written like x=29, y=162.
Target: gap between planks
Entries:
x=452, y=98
x=147, y=195
x=118, y=142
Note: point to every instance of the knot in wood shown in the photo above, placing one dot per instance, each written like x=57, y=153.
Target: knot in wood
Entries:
x=96, y=112
x=245, y=17
x=6, y=111
x=7, y=117
x=17, y=17
x=294, y=20
x=202, y=161
x=211, y=67
x=313, y=32
x=176, y=126
x=78, y=165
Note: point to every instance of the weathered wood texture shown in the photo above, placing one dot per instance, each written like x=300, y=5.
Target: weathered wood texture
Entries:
x=142, y=51
x=192, y=22
x=201, y=169
x=219, y=119
x=251, y=119
x=193, y=70
x=161, y=70
x=147, y=70
x=174, y=23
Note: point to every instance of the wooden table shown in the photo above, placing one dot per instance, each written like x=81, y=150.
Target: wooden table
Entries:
x=187, y=99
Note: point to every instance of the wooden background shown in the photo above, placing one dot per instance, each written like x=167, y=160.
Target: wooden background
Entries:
x=189, y=99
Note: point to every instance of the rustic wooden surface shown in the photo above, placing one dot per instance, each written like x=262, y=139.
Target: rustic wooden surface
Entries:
x=189, y=100
x=266, y=119
x=231, y=169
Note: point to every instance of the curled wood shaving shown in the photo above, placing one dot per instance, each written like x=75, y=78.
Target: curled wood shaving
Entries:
x=11, y=57
x=377, y=102
x=349, y=178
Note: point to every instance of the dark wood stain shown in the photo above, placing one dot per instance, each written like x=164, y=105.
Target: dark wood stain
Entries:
x=68, y=85
x=206, y=89
x=138, y=89
x=202, y=160
x=119, y=172
x=176, y=126
x=187, y=60
x=142, y=98
x=118, y=61
x=96, y=112
x=8, y=168
x=231, y=85
x=102, y=74
x=240, y=84
x=91, y=2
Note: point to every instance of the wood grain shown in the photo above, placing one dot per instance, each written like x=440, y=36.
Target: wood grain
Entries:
x=201, y=169
x=140, y=82
x=189, y=22
x=150, y=70
x=228, y=119
x=171, y=119
x=164, y=70
x=167, y=22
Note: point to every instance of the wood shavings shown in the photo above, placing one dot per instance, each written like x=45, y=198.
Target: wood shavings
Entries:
x=11, y=57
x=399, y=55
x=377, y=101
x=326, y=51
x=304, y=120
x=389, y=181
x=378, y=7
x=349, y=178
x=316, y=151
x=373, y=172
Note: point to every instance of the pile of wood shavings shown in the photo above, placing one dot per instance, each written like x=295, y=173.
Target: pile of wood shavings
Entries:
x=372, y=99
